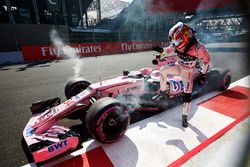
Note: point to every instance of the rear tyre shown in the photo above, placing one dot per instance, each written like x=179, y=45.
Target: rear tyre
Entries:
x=219, y=79
x=225, y=79
x=107, y=120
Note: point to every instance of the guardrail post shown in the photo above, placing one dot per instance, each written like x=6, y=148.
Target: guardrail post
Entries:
x=11, y=17
x=93, y=36
x=36, y=11
x=64, y=12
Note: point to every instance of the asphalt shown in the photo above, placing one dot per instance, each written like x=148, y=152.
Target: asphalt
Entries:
x=25, y=83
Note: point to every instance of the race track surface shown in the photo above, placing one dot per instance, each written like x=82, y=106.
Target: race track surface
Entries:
x=26, y=83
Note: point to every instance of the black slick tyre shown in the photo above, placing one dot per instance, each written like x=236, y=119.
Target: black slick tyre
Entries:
x=107, y=120
x=75, y=86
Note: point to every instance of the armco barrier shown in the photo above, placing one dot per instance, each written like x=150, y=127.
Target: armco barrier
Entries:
x=49, y=52
x=11, y=57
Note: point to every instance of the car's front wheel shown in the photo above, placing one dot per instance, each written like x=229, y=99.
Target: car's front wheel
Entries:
x=75, y=86
x=72, y=88
x=107, y=120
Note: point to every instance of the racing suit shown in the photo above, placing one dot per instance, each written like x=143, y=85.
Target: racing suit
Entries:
x=184, y=67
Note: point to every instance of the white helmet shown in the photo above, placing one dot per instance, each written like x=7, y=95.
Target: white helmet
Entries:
x=180, y=35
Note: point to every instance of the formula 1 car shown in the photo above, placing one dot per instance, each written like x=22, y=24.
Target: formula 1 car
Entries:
x=104, y=107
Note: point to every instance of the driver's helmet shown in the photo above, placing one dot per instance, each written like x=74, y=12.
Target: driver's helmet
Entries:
x=180, y=35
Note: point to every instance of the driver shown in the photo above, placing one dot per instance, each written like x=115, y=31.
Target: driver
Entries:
x=188, y=49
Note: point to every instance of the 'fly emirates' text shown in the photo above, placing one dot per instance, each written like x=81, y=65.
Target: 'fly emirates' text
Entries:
x=79, y=50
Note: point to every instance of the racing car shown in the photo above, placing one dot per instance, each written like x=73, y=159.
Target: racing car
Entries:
x=104, y=107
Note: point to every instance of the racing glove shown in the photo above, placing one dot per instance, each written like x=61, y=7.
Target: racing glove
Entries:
x=202, y=79
x=157, y=49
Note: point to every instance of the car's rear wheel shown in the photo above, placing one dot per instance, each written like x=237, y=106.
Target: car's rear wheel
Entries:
x=219, y=78
x=107, y=120
x=225, y=80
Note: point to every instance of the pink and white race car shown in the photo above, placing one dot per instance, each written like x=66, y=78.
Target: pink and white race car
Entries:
x=104, y=107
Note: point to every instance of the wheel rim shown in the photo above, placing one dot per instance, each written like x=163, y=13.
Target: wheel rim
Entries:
x=114, y=123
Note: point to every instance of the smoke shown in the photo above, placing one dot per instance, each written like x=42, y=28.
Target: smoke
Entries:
x=137, y=7
x=133, y=103
x=136, y=99
x=67, y=51
x=139, y=24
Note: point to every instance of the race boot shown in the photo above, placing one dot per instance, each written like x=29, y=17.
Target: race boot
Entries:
x=184, y=121
x=160, y=96
x=187, y=98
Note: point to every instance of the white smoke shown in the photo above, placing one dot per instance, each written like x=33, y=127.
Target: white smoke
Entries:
x=138, y=101
x=67, y=51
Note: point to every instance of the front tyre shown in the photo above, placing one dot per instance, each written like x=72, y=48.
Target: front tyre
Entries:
x=72, y=88
x=75, y=86
x=107, y=120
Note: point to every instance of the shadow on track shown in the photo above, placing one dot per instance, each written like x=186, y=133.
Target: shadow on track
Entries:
x=36, y=64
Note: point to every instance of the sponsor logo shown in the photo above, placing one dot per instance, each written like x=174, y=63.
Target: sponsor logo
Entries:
x=186, y=63
x=76, y=97
x=29, y=131
x=164, y=44
x=81, y=94
x=135, y=46
x=131, y=89
x=53, y=111
x=57, y=146
x=69, y=102
x=59, y=51
x=176, y=86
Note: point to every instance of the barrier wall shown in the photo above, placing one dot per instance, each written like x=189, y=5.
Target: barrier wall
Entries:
x=11, y=57
x=49, y=52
